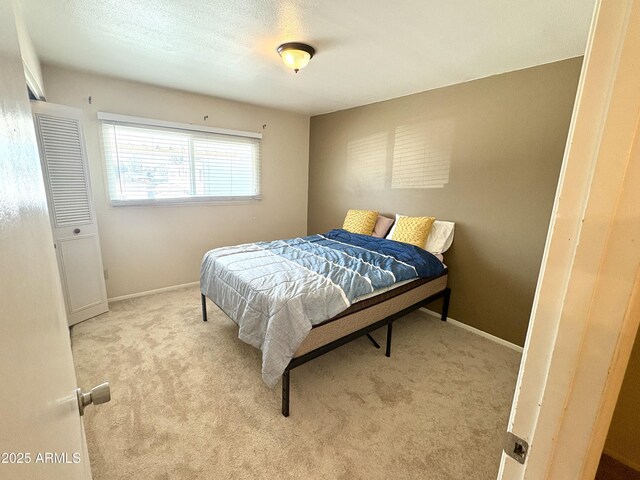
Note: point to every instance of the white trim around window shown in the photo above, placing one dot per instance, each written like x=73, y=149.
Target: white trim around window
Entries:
x=154, y=162
x=115, y=117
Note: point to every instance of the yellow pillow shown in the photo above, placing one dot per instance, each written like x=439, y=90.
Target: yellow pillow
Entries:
x=360, y=221
x=413, y=230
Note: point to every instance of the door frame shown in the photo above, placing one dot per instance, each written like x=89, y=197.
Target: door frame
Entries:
x=585, y=311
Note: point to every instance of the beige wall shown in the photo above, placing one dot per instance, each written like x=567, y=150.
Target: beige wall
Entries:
x=504, y=138
x=623, y=440
x=145, y=248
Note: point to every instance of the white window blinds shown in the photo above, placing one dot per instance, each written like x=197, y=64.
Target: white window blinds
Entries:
x=162, y=162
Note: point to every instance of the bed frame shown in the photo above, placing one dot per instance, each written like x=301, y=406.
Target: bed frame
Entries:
x=301, y=356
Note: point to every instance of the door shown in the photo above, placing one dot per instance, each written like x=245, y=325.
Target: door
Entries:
x=585, y=311
x=38, y=406
x=75, y=230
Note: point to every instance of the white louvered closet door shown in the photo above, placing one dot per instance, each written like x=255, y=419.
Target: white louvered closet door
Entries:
x=75, y=231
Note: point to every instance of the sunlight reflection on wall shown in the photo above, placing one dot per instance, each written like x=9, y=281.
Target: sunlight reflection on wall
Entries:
x=367, y=162
x=415, y=155
x=422, y=154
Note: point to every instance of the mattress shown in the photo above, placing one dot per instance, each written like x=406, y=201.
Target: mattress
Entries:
x=371, y=310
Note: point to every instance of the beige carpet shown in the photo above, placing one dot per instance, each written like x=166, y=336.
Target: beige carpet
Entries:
x=188, y=401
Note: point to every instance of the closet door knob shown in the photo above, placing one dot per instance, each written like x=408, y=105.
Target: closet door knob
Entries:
x=76, y=231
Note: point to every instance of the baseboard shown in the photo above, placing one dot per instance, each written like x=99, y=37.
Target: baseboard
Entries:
x=151, y=292
x=493, y=338
x=622, y=459
x=450, y=320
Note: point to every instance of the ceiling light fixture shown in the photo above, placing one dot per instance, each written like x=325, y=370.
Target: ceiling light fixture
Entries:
x=296, y=55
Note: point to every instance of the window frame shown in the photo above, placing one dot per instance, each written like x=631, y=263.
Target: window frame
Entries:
x=132, y=121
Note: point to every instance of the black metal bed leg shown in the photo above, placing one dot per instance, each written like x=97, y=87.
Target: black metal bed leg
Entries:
x=389, y=328
x=373, y=340
x=204, y=308
x=445, y=305
x=285, y=393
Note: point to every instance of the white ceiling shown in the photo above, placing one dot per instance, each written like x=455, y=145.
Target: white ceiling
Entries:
x=367, y=50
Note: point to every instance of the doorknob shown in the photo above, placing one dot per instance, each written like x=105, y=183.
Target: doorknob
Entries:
x=97, y=395
x=76, y=231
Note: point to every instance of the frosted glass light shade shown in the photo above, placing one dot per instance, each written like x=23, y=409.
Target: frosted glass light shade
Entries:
x=296, y=55
x=295, y=59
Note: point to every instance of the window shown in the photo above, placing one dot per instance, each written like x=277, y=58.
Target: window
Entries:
x=151, y=162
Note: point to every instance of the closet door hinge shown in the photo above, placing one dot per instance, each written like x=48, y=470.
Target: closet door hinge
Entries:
x=516, y=447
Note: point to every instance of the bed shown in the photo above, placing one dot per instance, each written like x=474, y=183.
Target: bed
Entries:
x=297, y=299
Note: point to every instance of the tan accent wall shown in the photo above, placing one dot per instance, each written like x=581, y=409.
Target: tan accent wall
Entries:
x=145, y=248
x=495, y=146
x=623, y=439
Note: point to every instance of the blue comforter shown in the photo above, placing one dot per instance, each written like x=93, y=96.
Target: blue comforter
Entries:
x=276, y=291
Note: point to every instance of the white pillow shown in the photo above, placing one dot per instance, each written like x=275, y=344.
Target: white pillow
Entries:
x=440, y=237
